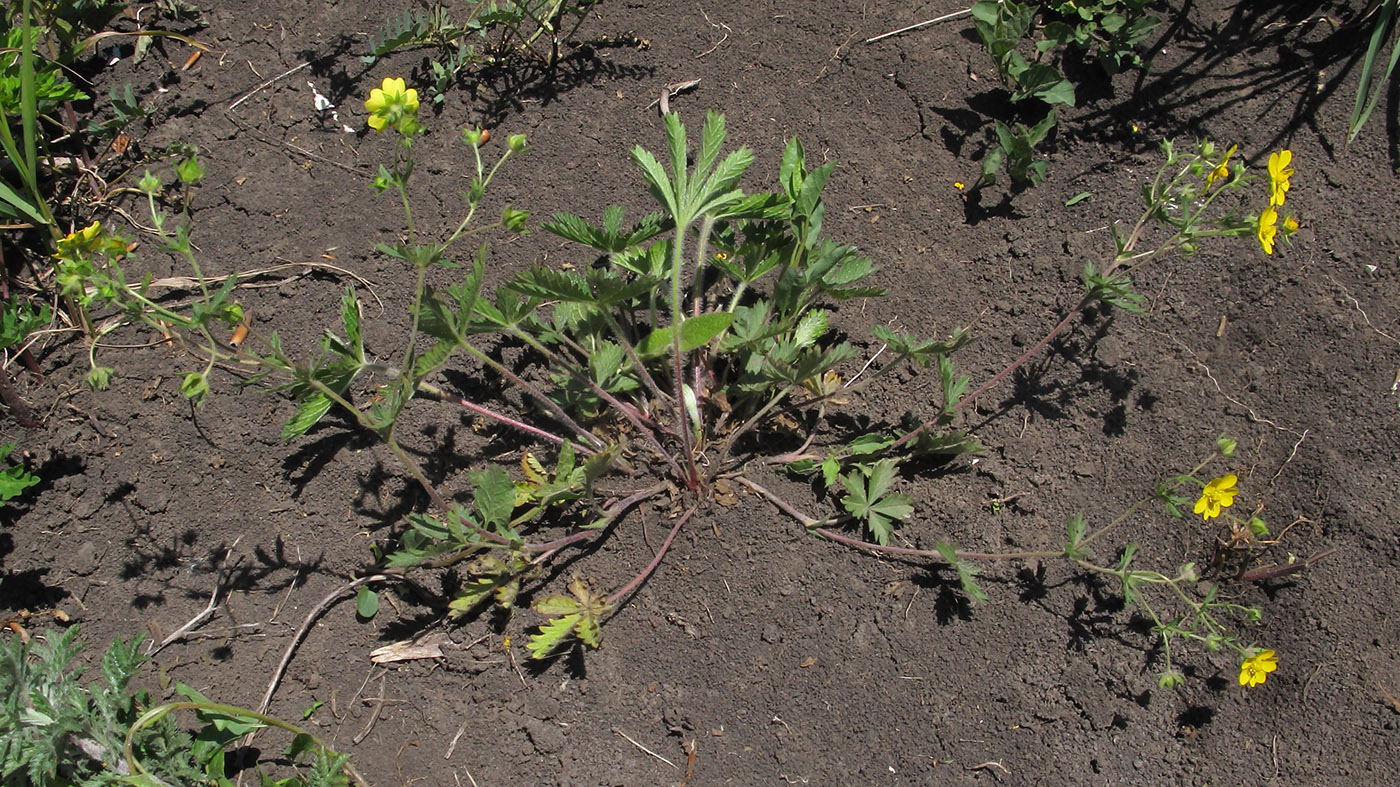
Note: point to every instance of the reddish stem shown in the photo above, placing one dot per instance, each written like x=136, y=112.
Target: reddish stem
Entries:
x=655, y=561
x=1002, y=375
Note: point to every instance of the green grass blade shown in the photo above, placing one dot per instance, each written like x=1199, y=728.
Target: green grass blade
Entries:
x=17, y=201
x=28, y=101
x=1368, y=91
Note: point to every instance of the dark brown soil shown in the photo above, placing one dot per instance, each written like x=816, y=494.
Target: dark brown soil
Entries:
x=783, y=658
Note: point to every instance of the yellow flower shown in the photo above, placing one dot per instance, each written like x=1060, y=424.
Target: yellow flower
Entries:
x=393, y=104
x=83, y=241
x=1290, y=226
x=1279, y=173
x=1218, y=494
x=1268, y=229
x=1256, y=668
x=959, y=185
x=1222, y=170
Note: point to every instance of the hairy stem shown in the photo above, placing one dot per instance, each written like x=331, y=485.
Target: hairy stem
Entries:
x=622, y=592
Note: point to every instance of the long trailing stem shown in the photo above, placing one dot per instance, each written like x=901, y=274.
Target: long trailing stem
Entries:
x=631, y=351
x=1135, y=506
x=755, y=419
x=1002, y=375
x=535, y=393
x=433, y=390
x=626, y=411
x=621, y=593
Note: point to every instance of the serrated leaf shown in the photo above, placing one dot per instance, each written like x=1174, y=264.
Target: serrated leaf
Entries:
x=869, y=444
x=656, y=178
x=433, y=359
x=551, y=635
x=812, y=327
x=308, y=413
x=871, y=502
x=493, y=496
x=350, y=318
x=557, y=604
x=967, y=572
x=533, y=470
x=700, y=329
x=589, y=632
x=1074, y=530
x=546, y=284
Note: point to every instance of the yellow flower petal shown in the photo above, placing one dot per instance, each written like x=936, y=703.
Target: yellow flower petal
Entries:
x=377, y=101
x=1218, y=494
x=1268, y=229
x=1222, y=170
x=1279, y=174
x=393, y=86
x=1255, y=669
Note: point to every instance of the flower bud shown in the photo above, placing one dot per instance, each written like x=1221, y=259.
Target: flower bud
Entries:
x=149, y=184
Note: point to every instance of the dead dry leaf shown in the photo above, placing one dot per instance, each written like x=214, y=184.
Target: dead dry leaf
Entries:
x=429, y=647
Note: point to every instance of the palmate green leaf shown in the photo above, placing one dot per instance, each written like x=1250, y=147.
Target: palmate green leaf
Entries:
x=785, y=364
x=490, y=578
x=578, y=614
x=610, y=289
x=922, y=351
x=575, y=228
x=610, y=237
x=870, y=500
x=750, y=328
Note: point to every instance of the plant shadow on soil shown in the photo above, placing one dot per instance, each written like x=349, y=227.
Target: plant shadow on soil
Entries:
x=1052, y=679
